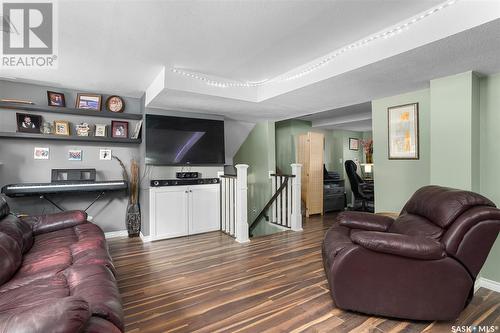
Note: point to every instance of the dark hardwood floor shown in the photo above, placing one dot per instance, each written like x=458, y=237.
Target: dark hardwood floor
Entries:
x=276, y=283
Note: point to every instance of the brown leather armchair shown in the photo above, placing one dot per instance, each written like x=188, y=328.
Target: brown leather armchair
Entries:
x=421, y=265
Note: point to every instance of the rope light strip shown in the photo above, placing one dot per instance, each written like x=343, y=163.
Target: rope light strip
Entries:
x=325, y=60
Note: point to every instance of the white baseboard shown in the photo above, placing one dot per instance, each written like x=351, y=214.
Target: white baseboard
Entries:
x=487, y=283
x=113, y=234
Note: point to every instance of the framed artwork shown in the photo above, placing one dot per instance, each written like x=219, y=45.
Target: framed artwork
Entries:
x=403, y=132
x=56, y=99
x=100, y=130
x=88, y=102
x=119, y=129
x=353, y=144
x=105, y=154
x=61, y=127
x=41, y=153
x=74, y=155
x=29, y=123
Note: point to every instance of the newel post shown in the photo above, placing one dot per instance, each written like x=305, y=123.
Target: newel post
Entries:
x=241, y=231
x=296, y=197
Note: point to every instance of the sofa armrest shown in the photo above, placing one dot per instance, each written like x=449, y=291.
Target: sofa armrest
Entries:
x=46, y=223
x=400, y=245
x=365, y=221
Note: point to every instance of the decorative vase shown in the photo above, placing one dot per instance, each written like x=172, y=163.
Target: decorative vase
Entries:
x=369, y=158
x=133, y=220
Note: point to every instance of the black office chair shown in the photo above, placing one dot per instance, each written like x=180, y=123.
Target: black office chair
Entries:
x=363, y=192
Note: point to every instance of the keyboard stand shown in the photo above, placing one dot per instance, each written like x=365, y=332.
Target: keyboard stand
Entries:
x=63, y=210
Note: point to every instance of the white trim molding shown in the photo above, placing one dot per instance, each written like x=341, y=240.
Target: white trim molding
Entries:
x=481, y=282
x=113, y=234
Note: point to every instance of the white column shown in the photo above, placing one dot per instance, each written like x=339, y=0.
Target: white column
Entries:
x=241, y=226
x=296, y=211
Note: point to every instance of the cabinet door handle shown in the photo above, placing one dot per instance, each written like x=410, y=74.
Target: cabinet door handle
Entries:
x=191, y=191
x=185, y=191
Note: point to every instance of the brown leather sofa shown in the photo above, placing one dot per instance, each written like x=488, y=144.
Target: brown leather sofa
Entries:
x=56, y=275
x=421, y=265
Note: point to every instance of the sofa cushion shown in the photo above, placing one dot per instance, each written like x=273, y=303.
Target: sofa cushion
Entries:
x=64, y=315
x=37, y=293
x=443, y=205
x=10, y=257
x=4, y=207
x=414, y=225
x=19, y=230
x=48, y=259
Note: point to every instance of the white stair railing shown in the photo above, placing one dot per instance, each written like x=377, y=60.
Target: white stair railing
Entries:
x=233, y=195
x=286, y=208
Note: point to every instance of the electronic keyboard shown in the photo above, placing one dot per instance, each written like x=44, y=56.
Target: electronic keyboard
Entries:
x=31, y=189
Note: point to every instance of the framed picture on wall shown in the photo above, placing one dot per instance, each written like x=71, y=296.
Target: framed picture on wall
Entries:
x=28, y=122
x=403, y=132
x=119, y=129
x=88, y=101
x=353, y=144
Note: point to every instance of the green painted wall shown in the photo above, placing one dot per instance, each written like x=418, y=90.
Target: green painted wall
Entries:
x=476, y=168
x=258, y=151
x=490, y=158
x=454, y=129
x=397, y=180
x=287, y=132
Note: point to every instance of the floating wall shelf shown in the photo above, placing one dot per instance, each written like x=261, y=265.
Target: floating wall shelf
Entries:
x=18, y=135
x=72, y=111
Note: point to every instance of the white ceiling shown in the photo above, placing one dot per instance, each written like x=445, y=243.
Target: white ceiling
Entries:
x=120, y=47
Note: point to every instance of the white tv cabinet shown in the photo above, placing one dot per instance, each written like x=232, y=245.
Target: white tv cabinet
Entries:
x=176, y=211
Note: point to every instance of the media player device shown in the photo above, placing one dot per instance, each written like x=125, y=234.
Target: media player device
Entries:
x=178, y=182
x=186, y=175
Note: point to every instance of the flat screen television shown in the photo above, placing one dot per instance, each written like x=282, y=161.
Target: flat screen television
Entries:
x=184, y=141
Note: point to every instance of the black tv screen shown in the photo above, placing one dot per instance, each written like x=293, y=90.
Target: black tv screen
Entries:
x=184, y=141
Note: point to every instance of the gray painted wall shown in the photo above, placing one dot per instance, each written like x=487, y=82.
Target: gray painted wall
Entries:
x=19, y=165
x=109, y=213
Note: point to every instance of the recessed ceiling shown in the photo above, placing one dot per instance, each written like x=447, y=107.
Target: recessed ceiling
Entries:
x=120, y=47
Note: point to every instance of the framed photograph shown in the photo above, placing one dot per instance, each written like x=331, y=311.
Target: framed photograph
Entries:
x=403, y=132
x=105, y=154
x=119, y=129
x=41, y=153
x=88, y=102
x=61, y=127
x=100, y=130
x=28, y=122
x=56, y=99
x=74, y=155
x=353, y=144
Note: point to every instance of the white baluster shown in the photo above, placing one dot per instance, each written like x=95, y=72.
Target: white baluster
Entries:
x=289, y=203
x=273, y=190
x=241, y=226
x=296, y=224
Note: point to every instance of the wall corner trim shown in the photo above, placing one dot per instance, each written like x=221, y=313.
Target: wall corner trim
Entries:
x=486, y=283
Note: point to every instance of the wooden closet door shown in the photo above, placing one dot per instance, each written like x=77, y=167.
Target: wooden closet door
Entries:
x=315, y=179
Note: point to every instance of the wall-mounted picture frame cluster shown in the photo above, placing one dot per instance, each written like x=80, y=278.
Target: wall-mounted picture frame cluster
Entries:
x=403, y=132
x=87, y=101
x=31, y=123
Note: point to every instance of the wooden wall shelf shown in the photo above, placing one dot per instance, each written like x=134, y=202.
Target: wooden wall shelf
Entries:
x=20, y=135
x=71, y=111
